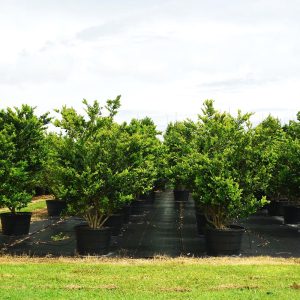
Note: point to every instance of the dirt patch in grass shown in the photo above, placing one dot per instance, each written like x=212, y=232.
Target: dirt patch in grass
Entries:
x=255, y=277
x=7, y=276
x=233, y=287
x=108, y=287
x=74, y=287
x=39, y=214
x=295, y=286
x=80, y=287
x=175, y=289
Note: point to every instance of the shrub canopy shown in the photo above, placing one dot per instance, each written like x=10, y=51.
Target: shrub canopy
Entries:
x=228, y=165
x=286, y=179
x=143, y=154
x=88, y=162
x=177, y=140
x=23, y=153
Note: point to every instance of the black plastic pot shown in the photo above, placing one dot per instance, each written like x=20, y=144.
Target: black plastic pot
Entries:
x=92, y=241
x=15, y=224
x=55, y=207
x=224, y=241
x=115, y=222
x=201, y=222
x=275, y=208
x=181, y=195
x=138, y=207
x=291, y=214
x=125, y=211
x=148, y=197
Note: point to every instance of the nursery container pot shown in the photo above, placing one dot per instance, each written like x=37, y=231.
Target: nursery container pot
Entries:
x=92, y=241
x=181, y=195
x=115, y=222
x=125, y=211
x=201, y=222
x=275, y=208
x=15, y=223
x=291, y=214
x=55, y=207
x=138, y=207
x=148, y=197
x=224, y=241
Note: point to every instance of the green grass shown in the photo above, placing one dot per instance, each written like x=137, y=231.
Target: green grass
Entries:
x=32, y=206
x=158, y=279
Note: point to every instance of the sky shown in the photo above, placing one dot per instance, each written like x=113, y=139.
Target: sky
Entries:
x=164, y=57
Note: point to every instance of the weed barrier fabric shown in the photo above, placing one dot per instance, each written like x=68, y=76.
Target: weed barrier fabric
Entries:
x=166, y=228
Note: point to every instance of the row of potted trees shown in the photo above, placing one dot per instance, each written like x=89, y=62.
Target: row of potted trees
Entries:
x=96, y=167
x=232, y=168
x=93, y=166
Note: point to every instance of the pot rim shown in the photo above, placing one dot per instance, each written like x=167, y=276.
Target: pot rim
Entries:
x=86, y=227
x=57, y=200
x=294, y=205
x=230, y=228
x=19, y=213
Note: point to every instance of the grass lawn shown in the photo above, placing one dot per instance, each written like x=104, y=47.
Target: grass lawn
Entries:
x=32, y=206
x=36, y=204
x=161, y=278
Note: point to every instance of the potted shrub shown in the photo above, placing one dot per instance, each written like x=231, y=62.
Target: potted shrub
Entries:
x=142, y=156
x=56, y=207
x=289, y=170
x=284, y=185
x=52, y=175
x=270, y=138
x=93, y=175
x=177, y=140
x=227, y=166
x=22, y=155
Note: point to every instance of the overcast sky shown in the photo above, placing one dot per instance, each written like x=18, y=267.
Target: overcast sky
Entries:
x=164, y=57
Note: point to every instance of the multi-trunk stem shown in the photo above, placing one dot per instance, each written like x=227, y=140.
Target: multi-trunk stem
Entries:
x=95, y=219
x=215, y=216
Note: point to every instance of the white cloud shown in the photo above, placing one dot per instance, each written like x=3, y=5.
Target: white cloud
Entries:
x=165, y=58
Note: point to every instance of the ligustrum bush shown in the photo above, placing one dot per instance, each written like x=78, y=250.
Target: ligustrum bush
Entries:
x=177, y=141
x=23, y=153
x=143, y=154
x=228, y=165
x=89, y=161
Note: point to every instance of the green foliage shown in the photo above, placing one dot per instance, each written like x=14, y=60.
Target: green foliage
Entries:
x=22, y=154
x=143, y=154
x=289, y=169
x=267, y=140
x=293, y=128
x=59, y=237
x=286, y=179
x=228, y=165
x=52, y=177
x=177, y=142
x=97, y=165
x=87, y=162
